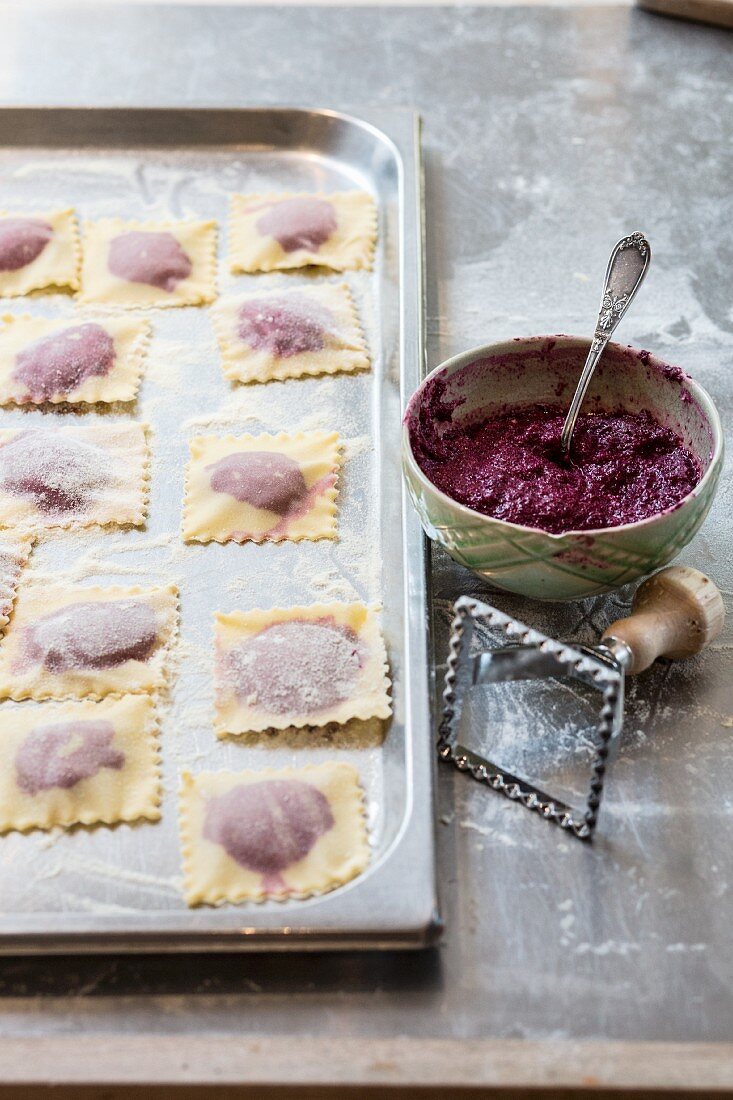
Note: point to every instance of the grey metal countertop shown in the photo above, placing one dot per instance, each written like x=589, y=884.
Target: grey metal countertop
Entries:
x=548, y=133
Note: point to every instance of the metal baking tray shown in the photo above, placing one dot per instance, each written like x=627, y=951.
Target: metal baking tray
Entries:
x=118, y=889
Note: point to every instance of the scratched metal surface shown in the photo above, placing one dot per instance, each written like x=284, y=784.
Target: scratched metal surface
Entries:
x=548, y=134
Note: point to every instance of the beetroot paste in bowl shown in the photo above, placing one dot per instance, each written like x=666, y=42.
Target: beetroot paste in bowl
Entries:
x=483, y=465
x=624, y=466
x=640, y=447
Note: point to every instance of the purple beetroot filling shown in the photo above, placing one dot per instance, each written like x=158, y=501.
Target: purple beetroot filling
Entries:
x=155, y=259
x=55, y=471
x=296, y=667
x=284, y=326
x=301, y=222
x=624, y=466
x=58, y=363
x=22, y=240
x=264, y=479
x=93, y=635
x=61, y=754
x=266, y=826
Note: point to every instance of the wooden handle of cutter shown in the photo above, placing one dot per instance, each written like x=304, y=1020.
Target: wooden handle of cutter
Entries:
x=717, y=12
x=675, y=613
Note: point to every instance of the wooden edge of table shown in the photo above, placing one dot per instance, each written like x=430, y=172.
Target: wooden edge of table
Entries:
x=719, y=13
x=112, y=1065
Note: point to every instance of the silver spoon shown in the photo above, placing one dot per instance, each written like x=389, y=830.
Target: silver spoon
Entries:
x=624, y=275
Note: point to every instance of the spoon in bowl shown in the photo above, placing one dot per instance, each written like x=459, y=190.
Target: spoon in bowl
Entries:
x=624, y=275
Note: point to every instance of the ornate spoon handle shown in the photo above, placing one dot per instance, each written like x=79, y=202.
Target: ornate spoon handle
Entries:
x=624, y=275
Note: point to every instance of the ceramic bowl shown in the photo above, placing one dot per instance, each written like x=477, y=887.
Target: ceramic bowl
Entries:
x=575, y=564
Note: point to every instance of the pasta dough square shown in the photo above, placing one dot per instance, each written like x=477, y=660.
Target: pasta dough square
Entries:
x=38, y=251
x=277, y=232
x=91, y=476
x=80, y=763
x=298, y=666
x=134, y=264
x=14, y=553
x=284, y=833
x=77, y=643
x=289, y=333
x=254, y=488
x=78, y=361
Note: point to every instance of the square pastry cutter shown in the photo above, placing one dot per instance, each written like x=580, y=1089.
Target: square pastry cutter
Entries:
x=675, y=614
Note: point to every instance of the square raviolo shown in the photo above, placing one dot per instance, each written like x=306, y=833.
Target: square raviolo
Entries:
x=254, y=835
x=75, y=643
x=85, y=360
x=287, y=333
x=157, y=264
x=38, y=252
x=271, y=232
x=256, y=488
x=89, y=476
x=81, y=763
x=298, y=666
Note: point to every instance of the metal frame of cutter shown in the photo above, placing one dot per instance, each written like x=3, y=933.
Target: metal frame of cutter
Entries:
x=549, y=658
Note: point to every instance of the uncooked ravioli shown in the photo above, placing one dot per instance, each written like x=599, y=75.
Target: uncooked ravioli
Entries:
x=271, y=232
x=86, y=641
x=149, y=264
x=85, y=762
x=290, y=332
x=299, y=666
x=253, y=488
x=87, y=476
x=38, y=251
x=273, y=833
x=56, y=471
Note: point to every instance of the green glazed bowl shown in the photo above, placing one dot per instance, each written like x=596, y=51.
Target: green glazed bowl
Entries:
x=577, y=563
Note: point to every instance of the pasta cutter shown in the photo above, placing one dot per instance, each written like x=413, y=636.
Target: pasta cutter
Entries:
x=675, y=614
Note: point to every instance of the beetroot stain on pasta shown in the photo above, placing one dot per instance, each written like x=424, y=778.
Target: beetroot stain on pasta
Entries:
x=155, y=259
x=97, y=635
x=54, y=470
x=61, y=754
x=300, y=222
x=57, y=364
x=264, y=479
x=269, y=825
x=296, y=667
x=284, y=326
x=22, y=240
